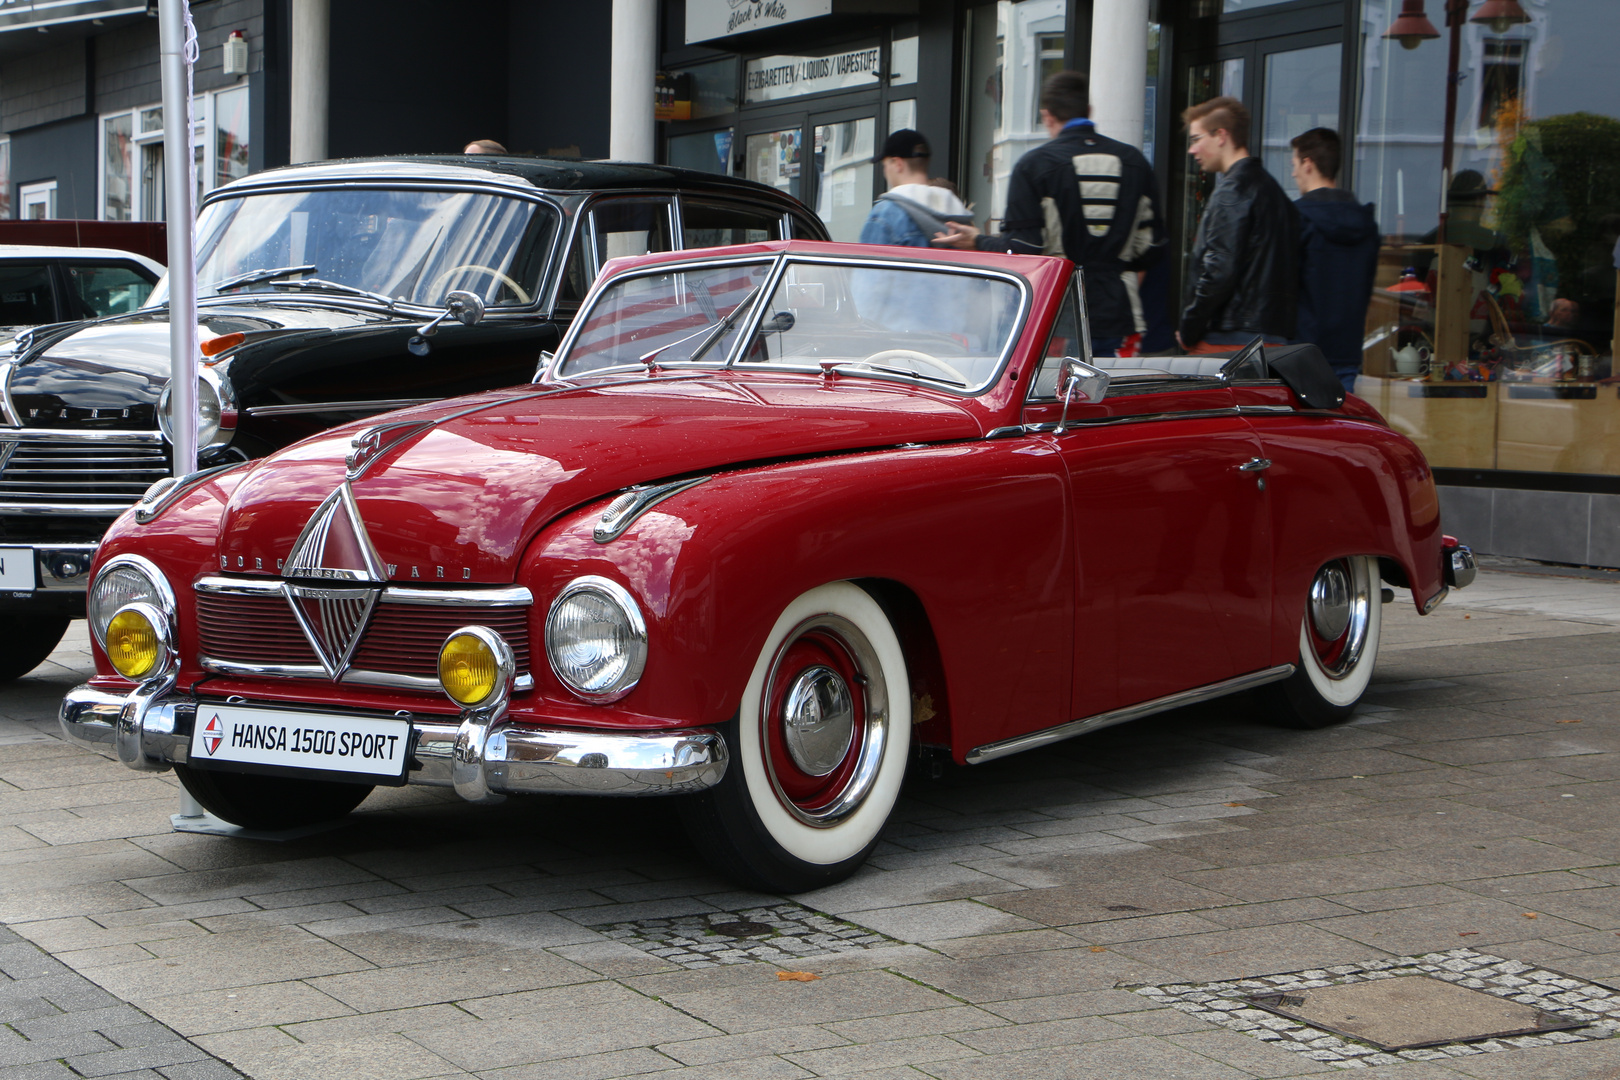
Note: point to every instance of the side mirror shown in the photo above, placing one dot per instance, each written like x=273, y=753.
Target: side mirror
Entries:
x=1079, y=381
x=467, y=308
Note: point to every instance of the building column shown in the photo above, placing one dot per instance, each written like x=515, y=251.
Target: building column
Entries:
x=311, y=78
x=1119, y=46
x=632, y=132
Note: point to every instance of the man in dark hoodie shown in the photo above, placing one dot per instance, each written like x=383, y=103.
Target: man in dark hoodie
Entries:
x=1338, y=255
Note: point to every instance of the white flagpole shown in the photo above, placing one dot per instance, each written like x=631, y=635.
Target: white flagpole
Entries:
x=177, y=47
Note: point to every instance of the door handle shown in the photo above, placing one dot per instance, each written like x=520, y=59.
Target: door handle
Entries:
x=1255, y=464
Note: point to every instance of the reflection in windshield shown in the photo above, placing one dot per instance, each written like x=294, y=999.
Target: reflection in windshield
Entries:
x=414, y=246
x=939, y=326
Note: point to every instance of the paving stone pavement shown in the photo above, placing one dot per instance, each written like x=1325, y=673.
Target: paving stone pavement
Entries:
x=1008, y=912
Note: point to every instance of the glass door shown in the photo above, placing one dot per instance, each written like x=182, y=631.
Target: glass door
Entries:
x=775, y=158
x=843, y=155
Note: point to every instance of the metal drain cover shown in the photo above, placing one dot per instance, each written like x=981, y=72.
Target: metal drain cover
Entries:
x=1410, y=1012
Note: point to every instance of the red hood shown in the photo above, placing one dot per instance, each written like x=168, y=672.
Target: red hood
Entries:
x=469, y=492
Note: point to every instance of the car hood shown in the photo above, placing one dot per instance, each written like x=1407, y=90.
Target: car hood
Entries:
x=461, y=487
x=123, y=361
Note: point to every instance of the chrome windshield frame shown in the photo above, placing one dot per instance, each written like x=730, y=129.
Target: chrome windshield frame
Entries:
x=780, y=262
x=544, y=293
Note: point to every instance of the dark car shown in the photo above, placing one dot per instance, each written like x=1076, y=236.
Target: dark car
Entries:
x=327, y=293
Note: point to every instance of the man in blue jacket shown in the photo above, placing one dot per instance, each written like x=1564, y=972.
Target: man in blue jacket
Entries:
x=1338, y=255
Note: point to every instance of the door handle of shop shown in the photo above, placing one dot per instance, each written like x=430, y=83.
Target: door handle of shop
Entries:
x=1255, y=464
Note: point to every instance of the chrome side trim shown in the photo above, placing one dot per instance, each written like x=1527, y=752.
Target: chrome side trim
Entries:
x=623, y=511
x=991, y=751
x=8, y=408
x=337, y=406
x=65, y=435
x=1008, y=432
x=498, y=596
x=1259, y=410
x=514, y=759
x=387, y=680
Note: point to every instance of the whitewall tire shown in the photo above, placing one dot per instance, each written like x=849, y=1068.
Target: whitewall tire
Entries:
x=818, y=748
x=1338, y=646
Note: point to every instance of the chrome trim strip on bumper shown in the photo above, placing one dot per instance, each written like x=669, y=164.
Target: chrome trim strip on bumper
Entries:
x=108, y=510
x=991, y=751
x=495, y=596
x=353, y=676
x=514, y=759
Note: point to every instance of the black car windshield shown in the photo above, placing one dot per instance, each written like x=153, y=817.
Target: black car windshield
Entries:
x=413, y=246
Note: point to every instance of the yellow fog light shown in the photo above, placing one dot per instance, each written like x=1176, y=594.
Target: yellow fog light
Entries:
x=470, y=665
x=134, y=642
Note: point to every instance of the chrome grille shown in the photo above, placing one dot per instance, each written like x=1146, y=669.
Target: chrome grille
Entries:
x=237, y=633
x=79, y=474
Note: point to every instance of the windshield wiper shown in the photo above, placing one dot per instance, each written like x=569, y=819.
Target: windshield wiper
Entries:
x=336, y=286
x=253, y=277
x=861, y=365
x=715, y=332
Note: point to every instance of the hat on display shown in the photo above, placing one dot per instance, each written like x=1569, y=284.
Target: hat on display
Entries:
x=906, y=143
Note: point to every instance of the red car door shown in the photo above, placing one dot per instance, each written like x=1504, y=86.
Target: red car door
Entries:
x=1173, y=541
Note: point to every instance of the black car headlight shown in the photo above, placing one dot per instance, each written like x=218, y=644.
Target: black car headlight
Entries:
x=216, y=410
x=125, y=580
x=596, y=639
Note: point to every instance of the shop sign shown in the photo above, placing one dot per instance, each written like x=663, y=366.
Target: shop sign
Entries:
x=772, y=78
x=23, y=14
x=710, y=19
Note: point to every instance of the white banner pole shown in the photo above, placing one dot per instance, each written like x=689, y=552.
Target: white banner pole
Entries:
x=177, y=47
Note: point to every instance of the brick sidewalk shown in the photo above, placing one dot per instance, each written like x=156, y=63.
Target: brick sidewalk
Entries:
x=998, y=933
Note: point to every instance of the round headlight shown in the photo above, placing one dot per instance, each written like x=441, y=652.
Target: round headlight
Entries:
x=211, y=409
x=470, y=666
x=124, y=580
x=596, y=639
x=136, y=644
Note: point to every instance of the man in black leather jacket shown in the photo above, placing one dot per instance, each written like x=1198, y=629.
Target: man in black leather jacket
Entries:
x=1086, y=196
x=1245, y=264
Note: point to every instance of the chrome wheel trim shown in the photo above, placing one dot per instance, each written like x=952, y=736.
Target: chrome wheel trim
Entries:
x=1359, y=602
x=818, y=720
x=873, y=687
x=1330, y=601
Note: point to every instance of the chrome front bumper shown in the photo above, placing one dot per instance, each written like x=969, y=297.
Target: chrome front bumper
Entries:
x=60, y=568
x=153, y=732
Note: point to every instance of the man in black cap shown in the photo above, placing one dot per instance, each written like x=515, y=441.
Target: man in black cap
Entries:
x=912, y=212
x=1088, y=197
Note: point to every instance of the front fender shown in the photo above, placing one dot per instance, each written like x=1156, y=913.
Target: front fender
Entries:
x=978, y=532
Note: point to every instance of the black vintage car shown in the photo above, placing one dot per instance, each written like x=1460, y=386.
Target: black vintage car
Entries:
x=326, y=293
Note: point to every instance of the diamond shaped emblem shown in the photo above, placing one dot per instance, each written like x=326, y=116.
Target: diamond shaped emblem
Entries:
x=334, y=548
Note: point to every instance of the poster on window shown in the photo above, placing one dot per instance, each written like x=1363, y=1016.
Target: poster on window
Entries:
x=773, y=159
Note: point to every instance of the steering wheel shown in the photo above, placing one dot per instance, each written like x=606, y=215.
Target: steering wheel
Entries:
x=522, y=295
x=916, y=357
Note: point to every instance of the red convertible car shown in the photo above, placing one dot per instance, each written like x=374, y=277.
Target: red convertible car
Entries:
x=774, y=519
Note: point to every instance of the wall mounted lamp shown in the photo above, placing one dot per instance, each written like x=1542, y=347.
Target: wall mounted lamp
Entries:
x=1500, y=15
x=1412, y=28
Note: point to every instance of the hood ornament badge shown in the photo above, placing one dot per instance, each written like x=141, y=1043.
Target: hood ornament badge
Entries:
x=334, y=547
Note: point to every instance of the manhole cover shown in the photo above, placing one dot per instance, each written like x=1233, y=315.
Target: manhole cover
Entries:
x=741, y=929
x=1410, y=1012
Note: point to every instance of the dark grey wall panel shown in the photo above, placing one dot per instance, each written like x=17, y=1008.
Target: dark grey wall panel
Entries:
x=64, y=152
x=416, y=76
x=42, y=87
x=559, y=62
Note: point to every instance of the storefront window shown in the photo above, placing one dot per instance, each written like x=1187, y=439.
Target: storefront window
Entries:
x=1302, y=92
x=117, y=151
x=772, y=158
x=5, y=179
x=1011, y=46
x=230, y=135
x=1490, y=339
x=706, y=151
x=713, y=87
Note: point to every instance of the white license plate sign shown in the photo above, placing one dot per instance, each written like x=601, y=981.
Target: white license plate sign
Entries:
x=16, y=569
x=351, y=744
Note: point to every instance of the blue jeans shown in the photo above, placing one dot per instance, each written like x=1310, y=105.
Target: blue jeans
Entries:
x=1107, y=346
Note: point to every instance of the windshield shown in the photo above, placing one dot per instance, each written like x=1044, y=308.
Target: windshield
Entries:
x=411, y=246
x=937, y=325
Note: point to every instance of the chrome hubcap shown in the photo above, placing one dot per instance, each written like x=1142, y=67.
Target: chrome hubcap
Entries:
x=818, y=720
x=1330, y=602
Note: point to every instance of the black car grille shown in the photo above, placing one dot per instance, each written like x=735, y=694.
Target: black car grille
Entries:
x=88, y=475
